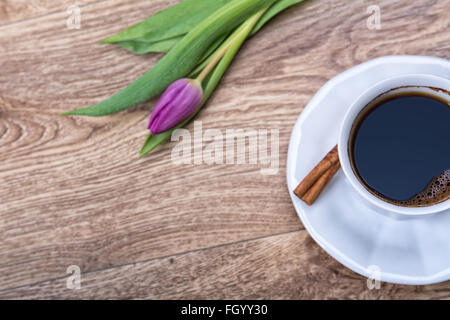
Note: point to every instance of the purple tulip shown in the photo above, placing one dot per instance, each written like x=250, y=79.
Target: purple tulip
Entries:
x=179, y=100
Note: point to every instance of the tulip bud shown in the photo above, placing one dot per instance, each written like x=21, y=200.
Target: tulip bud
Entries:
x=179, y=100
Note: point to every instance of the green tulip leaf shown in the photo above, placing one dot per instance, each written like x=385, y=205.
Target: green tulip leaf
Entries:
x=180, y=60
x=143, y=47
x=161, y=32
x=166, y=27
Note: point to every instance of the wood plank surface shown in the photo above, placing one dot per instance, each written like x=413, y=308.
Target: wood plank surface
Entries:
x=74, y=192
x=287, y=266
x=12, y=11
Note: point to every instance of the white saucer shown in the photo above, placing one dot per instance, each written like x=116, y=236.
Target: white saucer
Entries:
x=412, y=250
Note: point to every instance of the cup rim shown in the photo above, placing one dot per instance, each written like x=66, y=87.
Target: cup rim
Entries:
x=415, y=80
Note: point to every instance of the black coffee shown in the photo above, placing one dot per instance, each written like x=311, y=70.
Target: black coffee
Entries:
x=400, y=149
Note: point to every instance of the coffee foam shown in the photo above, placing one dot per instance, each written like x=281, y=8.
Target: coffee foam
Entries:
x=438, y=190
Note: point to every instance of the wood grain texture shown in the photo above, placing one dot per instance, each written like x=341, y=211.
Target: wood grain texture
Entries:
x=17, y=10
x=288, y=266
x=74, y=191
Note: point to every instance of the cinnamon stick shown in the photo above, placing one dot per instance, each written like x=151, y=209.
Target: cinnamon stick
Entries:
x=327, y=162
x=311, y=195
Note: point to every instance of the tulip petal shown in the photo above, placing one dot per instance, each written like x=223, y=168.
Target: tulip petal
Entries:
x=171, y=92
x=175, y=105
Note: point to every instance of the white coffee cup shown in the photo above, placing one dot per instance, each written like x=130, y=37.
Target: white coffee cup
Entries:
x=411, y=82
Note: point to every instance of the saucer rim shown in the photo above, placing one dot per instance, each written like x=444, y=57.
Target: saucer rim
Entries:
x=296, y=136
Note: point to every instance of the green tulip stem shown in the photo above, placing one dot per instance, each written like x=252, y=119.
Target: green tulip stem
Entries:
x=218, y=55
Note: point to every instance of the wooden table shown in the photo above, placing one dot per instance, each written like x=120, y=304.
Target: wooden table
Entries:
x=74, y=191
